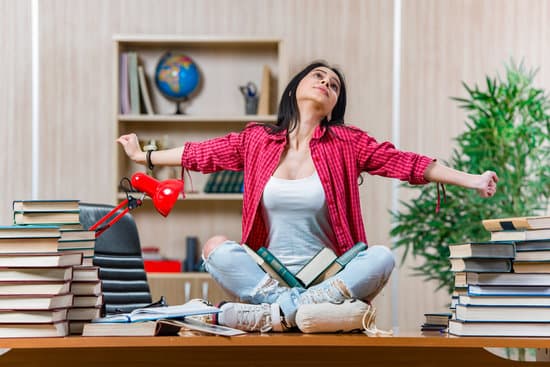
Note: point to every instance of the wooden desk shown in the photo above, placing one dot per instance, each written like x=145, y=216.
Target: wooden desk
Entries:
x=269, y=350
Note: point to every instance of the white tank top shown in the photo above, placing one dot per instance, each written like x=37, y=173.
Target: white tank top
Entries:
x=296, y=216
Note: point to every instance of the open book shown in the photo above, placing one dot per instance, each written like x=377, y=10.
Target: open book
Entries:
x=191, y=308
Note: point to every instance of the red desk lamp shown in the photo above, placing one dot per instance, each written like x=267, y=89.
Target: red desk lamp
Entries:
x=163, y=193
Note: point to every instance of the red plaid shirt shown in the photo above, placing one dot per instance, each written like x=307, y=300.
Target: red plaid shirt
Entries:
x=340, y=154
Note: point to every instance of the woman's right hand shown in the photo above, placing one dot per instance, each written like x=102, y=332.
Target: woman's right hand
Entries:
x=130, y=143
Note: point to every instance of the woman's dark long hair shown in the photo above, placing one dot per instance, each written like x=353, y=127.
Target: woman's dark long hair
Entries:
x=288, y=116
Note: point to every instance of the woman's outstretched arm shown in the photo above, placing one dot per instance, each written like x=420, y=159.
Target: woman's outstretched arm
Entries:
x=485, y=184
x=168, y=157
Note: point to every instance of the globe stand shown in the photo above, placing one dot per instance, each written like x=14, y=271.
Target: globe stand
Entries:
x=179, y=109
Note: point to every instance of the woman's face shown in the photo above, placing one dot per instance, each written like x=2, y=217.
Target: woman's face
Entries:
x=322, y=86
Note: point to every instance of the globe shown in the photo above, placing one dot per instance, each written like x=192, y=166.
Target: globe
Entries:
x=176, y=77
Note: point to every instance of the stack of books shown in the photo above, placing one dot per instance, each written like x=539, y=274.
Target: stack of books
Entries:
x=437, y=322
x=504, y=295
x=225, y=182
x=35, y=282
x=64, y=215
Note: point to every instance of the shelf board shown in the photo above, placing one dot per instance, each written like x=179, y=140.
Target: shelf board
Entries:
x=198, y=196
x=192, y=119
x=152, y=40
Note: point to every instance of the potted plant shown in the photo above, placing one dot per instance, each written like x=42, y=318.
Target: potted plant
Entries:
x=507, y=131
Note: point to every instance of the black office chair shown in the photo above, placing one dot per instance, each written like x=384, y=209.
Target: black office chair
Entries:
x=118, y=255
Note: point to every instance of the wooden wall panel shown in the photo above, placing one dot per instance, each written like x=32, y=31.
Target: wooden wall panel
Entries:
x=15, y=104
x=444, y=43
x=76, y=81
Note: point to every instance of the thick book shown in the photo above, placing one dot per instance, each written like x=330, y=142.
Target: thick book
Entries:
x=76, y=234
x=508, y=290
x=146, y=328
x=523, y=235
x=278, y=266
x=483, y=249
x=516, y=279
x=35, y=301
x=59, y=218
x=437, y=318
x=316, y=266
x=532, y=267
x=88, y=301
x=516, y=223
x=533, y=255
x=36, y=274
x=265, y=266
x=480, y=265
x=30, y=244
x=144, y=89
x=85, y=273
x=83, y=313
x=35, y=287
x=40, y=259
x=191, y=308
x=19, y=330
x=86, y=288
x=518, y=313
x=536, y=245
x=511, y=300
x=77, y=244
x=133, y=82
x=342, y=261
x=45, y=205
x=29, y=231
x=483, y=328
x=32, y=316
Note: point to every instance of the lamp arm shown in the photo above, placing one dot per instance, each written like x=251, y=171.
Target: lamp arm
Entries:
x=130, y=202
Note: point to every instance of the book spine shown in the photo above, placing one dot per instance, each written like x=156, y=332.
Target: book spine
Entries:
x=351, y=253
x=283, y=272
x=134, y=83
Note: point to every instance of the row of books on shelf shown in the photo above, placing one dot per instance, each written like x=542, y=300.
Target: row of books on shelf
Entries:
x=225, y=182
x=134, y=87
x=48, y=284
x=502, y=287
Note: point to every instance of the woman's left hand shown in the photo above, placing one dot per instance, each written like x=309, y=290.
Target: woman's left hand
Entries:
x=487, y=184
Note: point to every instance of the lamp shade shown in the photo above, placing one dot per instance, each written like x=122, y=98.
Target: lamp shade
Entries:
x=163, y=193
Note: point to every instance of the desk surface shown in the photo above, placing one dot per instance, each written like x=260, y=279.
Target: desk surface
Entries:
x=412, y=339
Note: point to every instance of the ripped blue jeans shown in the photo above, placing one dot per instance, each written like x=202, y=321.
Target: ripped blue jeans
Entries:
x=238, y=273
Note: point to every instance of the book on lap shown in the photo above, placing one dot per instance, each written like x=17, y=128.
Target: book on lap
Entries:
x=316, y=266
x=516, y=223
x=480, y=265
x=480, y=328
x=320, y=267
x=340, y=262
x=483, y=249
x=278, y=266
x=265, y=266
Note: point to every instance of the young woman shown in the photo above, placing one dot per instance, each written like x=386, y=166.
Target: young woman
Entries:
x=301, y=194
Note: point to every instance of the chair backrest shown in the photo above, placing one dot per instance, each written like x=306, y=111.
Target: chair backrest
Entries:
x=118, y=255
